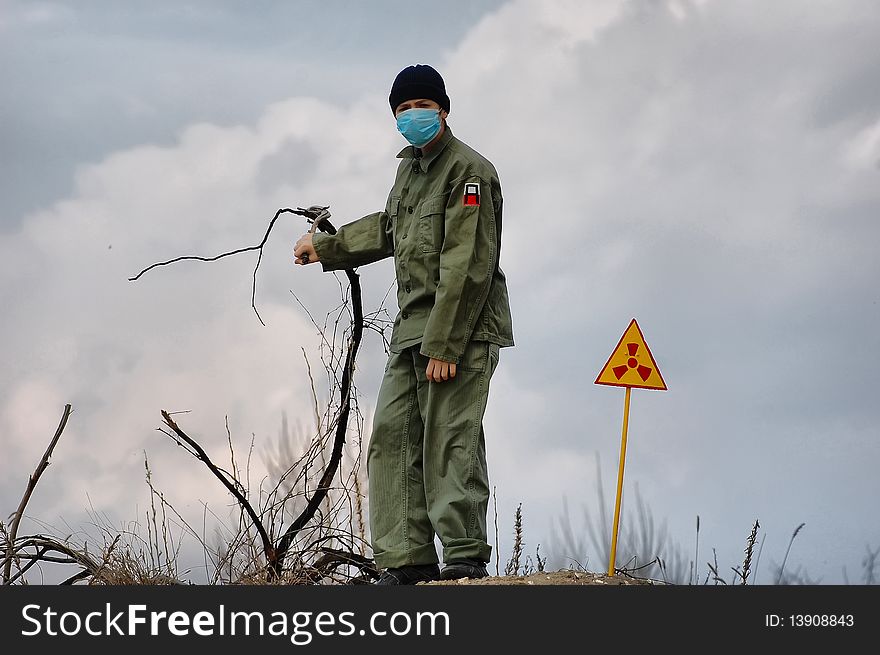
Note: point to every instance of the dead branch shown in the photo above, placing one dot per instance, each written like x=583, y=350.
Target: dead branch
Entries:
x=341, y=425
x=44, y=544
x=316, y=214
x=38, y=557
x=275, y=556
x=333, y=558
x=231, y=485
x=32, y=483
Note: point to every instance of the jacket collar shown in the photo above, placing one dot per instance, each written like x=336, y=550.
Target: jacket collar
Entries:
x=425, y=160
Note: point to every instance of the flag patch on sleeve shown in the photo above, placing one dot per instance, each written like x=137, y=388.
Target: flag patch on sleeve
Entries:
x=471, y=194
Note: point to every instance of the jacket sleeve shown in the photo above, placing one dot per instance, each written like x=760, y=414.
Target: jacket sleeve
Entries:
x=467, y=259
x=360, y=242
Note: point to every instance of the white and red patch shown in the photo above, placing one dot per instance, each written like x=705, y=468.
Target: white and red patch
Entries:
x=471, y=194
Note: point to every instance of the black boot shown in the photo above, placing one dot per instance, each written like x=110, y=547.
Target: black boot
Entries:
x=464, y=568
x=411, y=574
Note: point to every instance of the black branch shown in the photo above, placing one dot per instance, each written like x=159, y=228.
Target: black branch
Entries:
x=228, y=481
x=275, y=555
x=341, y=426
x=316, y=214
x=32, y=484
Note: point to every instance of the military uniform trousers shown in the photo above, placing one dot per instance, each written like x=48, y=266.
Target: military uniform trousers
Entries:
x=426, y=461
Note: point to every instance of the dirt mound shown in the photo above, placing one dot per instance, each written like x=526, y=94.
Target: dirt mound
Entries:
x=564, y=577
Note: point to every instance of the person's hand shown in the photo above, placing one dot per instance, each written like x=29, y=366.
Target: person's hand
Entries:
x=438, y=370
x=304, y=247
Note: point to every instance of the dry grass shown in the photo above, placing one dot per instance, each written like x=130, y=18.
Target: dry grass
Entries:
x=334, y=548
x=649, y=552
x=331, y=546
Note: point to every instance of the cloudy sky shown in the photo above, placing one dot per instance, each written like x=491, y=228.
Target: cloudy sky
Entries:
x=709, y=168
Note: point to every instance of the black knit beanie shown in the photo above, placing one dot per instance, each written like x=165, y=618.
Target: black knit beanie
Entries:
x=419, y=81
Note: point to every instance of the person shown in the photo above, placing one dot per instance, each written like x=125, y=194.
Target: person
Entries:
x=426, y=460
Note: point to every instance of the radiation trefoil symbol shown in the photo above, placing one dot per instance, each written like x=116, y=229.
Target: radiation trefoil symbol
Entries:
x=631, y=363
x=643, y=371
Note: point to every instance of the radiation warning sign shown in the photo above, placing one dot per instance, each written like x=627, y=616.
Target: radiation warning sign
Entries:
x=631, y=363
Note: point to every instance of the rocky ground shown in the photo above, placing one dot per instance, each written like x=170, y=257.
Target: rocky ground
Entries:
x=563, y=577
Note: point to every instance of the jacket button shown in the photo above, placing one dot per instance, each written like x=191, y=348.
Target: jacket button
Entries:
x=404, y=236
x=404, y=314
x=409, y=209
x=408, y=289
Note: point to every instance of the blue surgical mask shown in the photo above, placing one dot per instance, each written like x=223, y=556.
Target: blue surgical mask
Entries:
x=419, y=126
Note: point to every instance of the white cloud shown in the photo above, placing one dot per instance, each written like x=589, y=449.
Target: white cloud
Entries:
x=684, y=168
x=863, y=150
x=44, y=12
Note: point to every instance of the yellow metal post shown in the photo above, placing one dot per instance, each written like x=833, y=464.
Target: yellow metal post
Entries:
x=619, y=482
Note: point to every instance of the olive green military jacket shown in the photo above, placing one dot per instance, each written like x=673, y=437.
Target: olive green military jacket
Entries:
x=442, y=224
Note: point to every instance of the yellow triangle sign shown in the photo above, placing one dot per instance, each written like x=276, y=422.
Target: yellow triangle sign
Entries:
x=631, y=363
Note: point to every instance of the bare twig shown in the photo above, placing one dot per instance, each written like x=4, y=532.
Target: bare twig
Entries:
x=224, y=477
x=333, y=558
x=628, y=571
x=45, y=544
x=32, y=483
x=315, y=213
x=40, y=556
x=275, y=555
x=497, y=545
x=341, y=425
x=714, y=569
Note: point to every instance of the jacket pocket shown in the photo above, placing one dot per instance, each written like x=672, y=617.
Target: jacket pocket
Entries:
x=393, y=206
x=431, y=216
x=475, y=356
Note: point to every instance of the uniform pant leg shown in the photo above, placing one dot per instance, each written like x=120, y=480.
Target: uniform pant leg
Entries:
x=455, y=472
x=400, y=530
